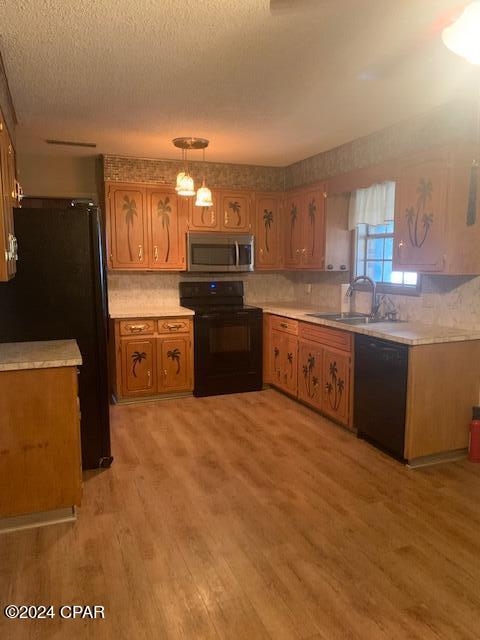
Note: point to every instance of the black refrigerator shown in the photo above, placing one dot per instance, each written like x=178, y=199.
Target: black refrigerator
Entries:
x=60, y=292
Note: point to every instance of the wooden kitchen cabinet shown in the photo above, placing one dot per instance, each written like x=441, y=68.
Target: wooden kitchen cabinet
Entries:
x=175, y=364
x=322, y=359
x=151, y=357
x=310, y=373
x=8, y=200
x=138, y=366
x=293, y=236
x=235, y=211
x=313, y=229
x=205, y=218
x=168, y=216
x=268, y=231
x=336, y=387
x=420, y=213
x=127, y=226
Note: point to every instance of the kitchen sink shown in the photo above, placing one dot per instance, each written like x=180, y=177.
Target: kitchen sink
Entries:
x=350, y=318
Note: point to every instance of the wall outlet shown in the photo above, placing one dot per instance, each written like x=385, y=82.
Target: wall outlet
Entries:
x=308, y=288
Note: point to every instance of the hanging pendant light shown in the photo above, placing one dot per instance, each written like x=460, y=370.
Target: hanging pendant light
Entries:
x=204, y=195
x=463, y=36
x=185, y=185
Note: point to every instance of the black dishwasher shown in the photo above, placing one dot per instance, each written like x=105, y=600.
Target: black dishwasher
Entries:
x=381, y=369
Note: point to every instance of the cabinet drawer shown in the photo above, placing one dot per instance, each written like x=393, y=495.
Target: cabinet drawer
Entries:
x=168, y=326
x=137, y=327
x=286, y=325
x=325, y=335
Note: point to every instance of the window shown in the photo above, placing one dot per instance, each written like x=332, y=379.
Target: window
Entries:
x=374, y=255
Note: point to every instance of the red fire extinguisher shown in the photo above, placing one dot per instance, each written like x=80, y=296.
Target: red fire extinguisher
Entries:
x=474, y=448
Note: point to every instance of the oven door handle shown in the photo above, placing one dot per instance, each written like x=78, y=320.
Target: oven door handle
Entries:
x=237, y=254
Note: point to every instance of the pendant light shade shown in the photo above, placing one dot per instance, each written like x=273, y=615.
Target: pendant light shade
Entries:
x=204, y=197
x=180, y=177
x=463, y=36
x=186, y=186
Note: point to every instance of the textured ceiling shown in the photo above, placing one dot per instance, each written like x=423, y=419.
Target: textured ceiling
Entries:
x=131, y=75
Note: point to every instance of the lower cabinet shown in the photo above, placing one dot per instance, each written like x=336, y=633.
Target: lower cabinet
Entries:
x=151, y=357
x=313, y=363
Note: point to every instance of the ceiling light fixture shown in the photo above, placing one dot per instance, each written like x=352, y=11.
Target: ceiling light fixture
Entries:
x=204, y=195
x=184, y=182
x=463, y=36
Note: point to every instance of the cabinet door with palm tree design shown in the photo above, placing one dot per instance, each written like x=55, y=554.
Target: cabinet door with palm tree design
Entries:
x=168, y=216
x=313, y=229
x=310, y=373
x=289, y=368
x=292, y=225
x=268, y=229
x=128, y=226
x=175, y=364
x=420, y=214
x=336, y=385
x=205, y=218
x=138, y=367
x=277, y=351
x=235, y=213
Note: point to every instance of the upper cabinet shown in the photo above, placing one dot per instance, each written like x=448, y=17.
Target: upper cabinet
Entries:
x=128, y=226
x=293, y=236
x=235, y=211
x=337, y=235
x=437, y=230
x=168, y=214
x=268, y=231
x=8, y=200
x=313, y=229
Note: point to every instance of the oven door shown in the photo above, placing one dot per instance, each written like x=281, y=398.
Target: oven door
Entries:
x=217, y=252
x=228, y=352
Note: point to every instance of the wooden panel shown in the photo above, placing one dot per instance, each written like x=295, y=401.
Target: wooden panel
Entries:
x=336, y=385
x=205, y=218
x=310, y=373
x=267, y=341
x=443, y=385
x=175, y=362
x=292, y=220
x=420, y=213
x=236, y=211
x=128, y=226
x=138, y=366
x=279, y=323
x=313, y=229
x=136, y=327
x=268, y=231
x=338, y=238
x=277, y=348
x=168, y=214
x=327, y=336
x=168, y=326
x=40, y=465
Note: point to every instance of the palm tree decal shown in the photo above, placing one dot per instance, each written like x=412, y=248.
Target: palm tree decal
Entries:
x=236, y=208
x=202, y=215
x=137, y=357
x=335, y=387
x=130, y=208
x=276, y=353
x=293, y=219
x=311, y=382
x=164, y=210
x=290, y=360
x=174, y=355
x=312, y=212
x=267, y=221
x=424, y=192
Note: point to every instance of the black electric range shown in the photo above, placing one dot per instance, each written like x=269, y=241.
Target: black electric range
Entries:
x=228, y=337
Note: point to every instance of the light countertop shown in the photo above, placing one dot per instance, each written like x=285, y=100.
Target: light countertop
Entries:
x=409, y=333
x=122, y=311
x=39, y=355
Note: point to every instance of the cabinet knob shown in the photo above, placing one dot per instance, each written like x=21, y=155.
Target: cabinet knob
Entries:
x=343, y=267
x=330, y=267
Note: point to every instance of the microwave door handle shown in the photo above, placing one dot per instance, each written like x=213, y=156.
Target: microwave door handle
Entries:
x=237, y=254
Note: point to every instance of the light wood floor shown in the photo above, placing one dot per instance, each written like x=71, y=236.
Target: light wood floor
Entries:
x=249, y=516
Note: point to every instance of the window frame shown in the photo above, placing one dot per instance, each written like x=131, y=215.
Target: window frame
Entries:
x=383, y=287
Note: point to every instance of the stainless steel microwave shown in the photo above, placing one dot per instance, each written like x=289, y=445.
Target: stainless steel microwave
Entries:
x=212, y=251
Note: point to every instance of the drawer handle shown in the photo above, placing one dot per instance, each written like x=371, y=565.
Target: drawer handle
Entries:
x=173, y=326
x=284, y=325
x=135, y=328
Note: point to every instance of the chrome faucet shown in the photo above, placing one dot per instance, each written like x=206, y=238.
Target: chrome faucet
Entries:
x=371, y=282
